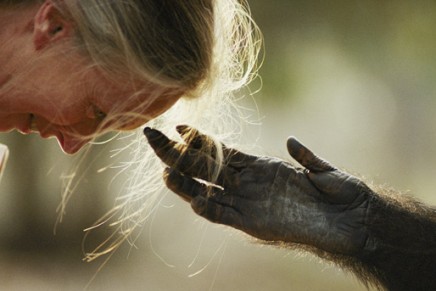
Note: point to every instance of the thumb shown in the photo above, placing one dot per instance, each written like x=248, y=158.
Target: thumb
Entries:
x=338, y=187
x=306, y=157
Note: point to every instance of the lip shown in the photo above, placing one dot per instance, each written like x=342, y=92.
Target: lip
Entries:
x=28, y=126
x=61, y=140
x=71, y=145
x=32, y=123
x=68, y=145
x=48, y=134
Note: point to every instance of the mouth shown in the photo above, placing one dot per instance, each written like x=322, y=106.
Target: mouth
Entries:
x=32, y=124
x=28, y=125
x=64, y=142
x=69, y=143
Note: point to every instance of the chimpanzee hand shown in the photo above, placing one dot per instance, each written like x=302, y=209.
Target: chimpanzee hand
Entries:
x=268, y=198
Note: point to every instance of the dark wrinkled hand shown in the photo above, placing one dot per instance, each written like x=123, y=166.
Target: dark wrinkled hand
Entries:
x=266, y=197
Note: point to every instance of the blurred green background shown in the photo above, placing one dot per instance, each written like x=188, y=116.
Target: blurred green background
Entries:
x=354, y=80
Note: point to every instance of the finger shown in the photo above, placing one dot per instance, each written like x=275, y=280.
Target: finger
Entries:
x=188, y=161
x=216, y=212
x=188, y=188
x=306, y=157
x=195, y=139
x=167, y=150
x=184, y=186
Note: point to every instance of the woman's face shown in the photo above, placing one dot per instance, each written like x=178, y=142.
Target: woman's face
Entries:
x=65, y=99
x=47, y=87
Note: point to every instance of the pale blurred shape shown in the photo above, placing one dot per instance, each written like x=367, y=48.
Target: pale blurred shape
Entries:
x=4, y=153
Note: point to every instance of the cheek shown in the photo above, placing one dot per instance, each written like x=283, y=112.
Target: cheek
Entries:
x=60, y=98
x=63, y=116
x=86, y=128
x=61, y=107
x=58, y=105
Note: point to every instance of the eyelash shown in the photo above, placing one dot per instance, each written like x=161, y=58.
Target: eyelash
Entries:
x=95, y=112
x=99, y=114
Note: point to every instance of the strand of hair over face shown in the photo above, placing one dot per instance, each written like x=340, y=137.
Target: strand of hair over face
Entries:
x=212, y=107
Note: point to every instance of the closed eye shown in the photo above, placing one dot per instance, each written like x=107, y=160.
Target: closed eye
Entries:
x=99, y=114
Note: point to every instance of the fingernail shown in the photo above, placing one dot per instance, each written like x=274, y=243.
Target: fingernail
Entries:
x=150, y=133
x=167, y=172
x=293, y=144
x=173, y=179
x=182, y=128
x=146, y=129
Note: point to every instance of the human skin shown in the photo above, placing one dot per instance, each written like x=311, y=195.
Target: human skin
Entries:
x=47, y=86
x=387, y=241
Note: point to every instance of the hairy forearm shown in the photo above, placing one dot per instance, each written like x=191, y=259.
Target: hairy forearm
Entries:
x=401, y=245
x=400, y=250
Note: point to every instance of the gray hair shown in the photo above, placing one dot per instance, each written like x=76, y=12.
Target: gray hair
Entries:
x=166, y=42
x=205, y=49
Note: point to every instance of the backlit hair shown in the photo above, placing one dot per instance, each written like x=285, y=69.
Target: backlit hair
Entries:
x=203, y=50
